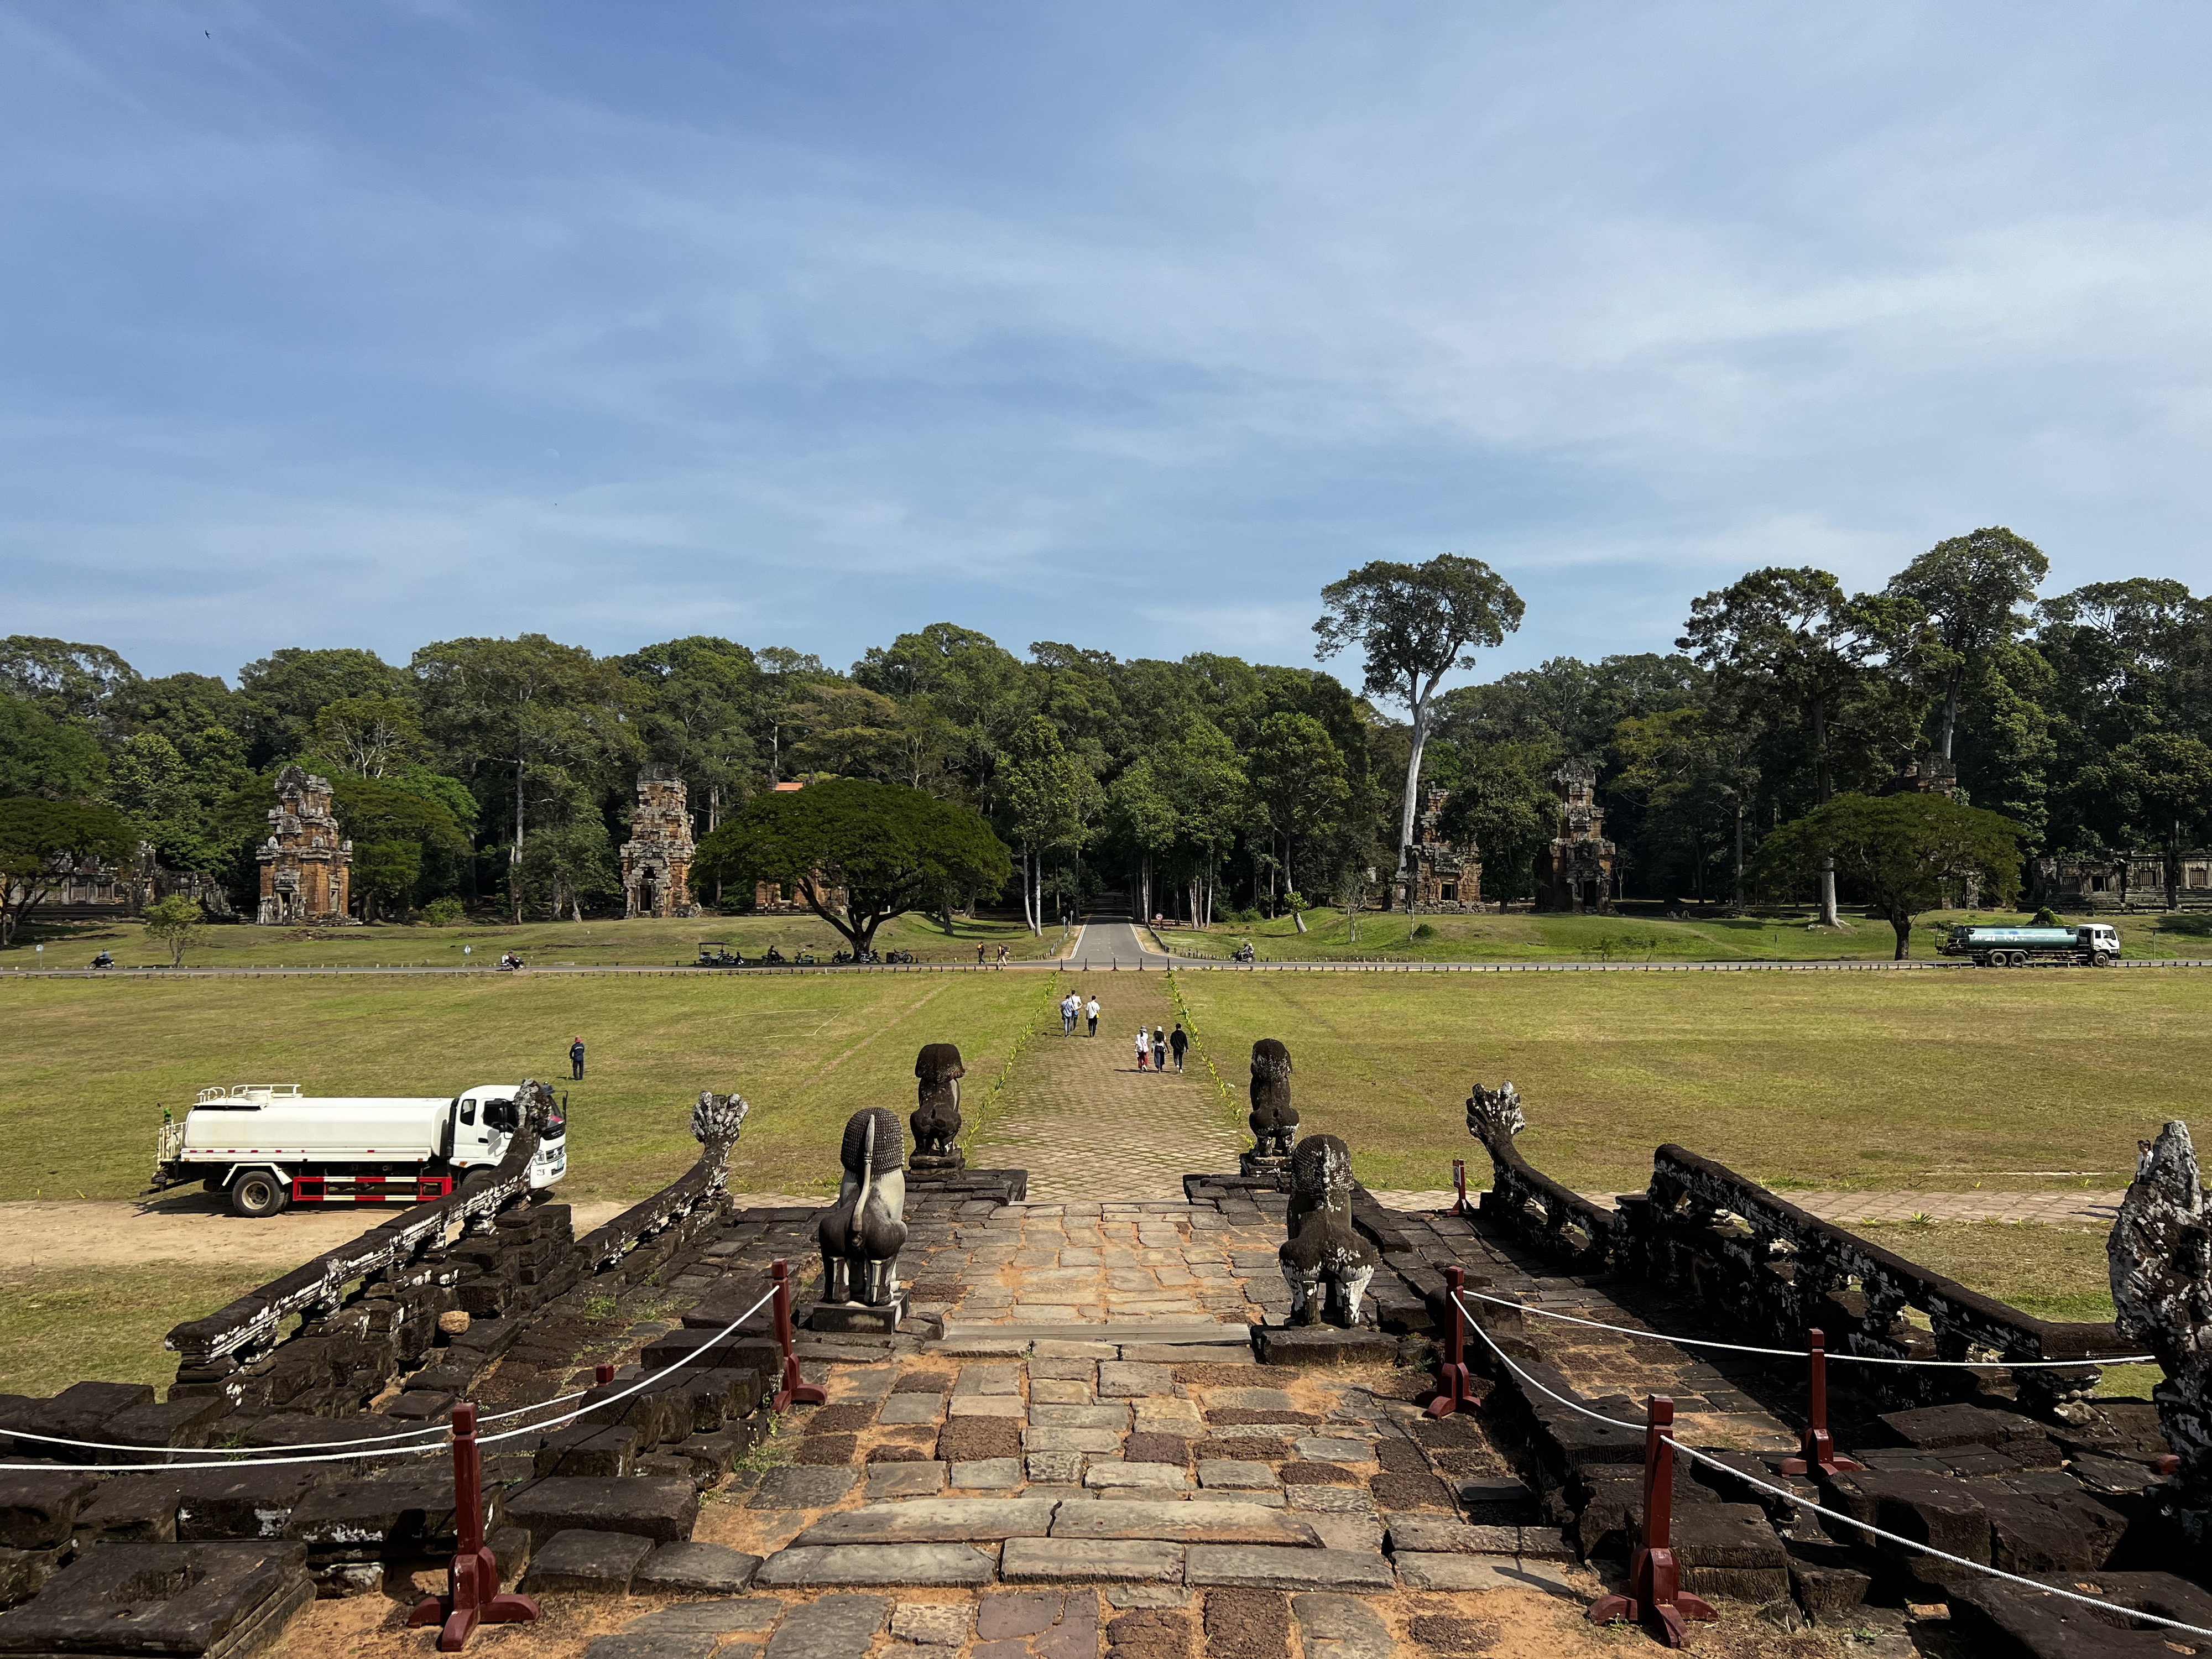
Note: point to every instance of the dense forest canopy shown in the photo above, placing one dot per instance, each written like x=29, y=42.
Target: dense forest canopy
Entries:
x=504, y=769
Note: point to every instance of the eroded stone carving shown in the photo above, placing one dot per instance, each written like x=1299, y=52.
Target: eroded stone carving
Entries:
x=1326, y=1262
x=936, y=1119
x=863, y=1232
x=2160, y=1261
x=716, y=1122
x=1274, y=1121
x=1495, y=1113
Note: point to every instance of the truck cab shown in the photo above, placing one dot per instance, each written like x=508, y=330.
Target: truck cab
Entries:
x=485, y=1119
x=2102, y=941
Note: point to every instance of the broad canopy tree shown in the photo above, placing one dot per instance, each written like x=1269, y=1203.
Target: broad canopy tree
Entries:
x=858, y=852
x=1415, y=624
x=1971, y=589
x=41, y=841
x=1903, y=854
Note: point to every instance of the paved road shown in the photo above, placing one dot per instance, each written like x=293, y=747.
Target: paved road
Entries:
x=1105, y=939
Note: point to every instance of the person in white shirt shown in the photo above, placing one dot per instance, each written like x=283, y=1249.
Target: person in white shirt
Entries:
x=1091, y=1010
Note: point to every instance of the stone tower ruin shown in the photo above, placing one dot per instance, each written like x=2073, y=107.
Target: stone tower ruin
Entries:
x=656, y=859
x=306, y=866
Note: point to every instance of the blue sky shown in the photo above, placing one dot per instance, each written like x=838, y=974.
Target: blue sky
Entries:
x=1128, y=325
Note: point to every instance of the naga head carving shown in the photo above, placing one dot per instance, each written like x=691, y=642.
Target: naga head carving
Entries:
x=718, y=1118
x=1495, y=1113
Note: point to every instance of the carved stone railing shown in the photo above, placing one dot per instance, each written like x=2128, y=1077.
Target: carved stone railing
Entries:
x=254, y=1323
x=1561, y=1225
x=716, y=1122
x=1776, y=1271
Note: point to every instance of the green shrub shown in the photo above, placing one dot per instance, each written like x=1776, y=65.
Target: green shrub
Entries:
x=443, y=912
x=2047, y=917
x=1424, y=931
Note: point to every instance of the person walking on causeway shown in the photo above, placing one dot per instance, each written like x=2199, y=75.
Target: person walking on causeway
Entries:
x=1159, y=1049
x=1143, y=1049
x=1178, y=1040
x=1091, y=1010
x=577, y=1060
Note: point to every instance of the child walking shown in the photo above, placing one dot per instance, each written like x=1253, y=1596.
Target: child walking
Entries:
x=1144, y=1050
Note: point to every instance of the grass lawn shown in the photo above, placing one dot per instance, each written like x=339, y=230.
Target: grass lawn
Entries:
x=58, y=1325
x=85, y=1065
x=1521, y=937
x=2053, y=1273
x=641, y=943
x=1928, y=1082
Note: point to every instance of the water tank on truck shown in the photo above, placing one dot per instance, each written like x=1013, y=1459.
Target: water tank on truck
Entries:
x=2095, y=944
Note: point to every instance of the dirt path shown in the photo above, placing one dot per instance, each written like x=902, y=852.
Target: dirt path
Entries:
x=1087, y=1124
x=195, y=1227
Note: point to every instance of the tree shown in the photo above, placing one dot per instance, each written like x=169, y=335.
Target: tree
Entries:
x=282, y=692
x=68, y=682
x=1900, y=852
x=1043, y=790
x=568, y=863
x=2160, y=788
x=42, y=841
x=1971, y=589
x=370, y=735
x=1199, y=775
x=1298, y=781
x=858, y=852
x=1695, y=773
x=385, y=873
x=1143, y=816
x=1502, y=806
x=42, y=756
x=1415, y=624
x=177, y=922
x=180, y=794
x=399, y=837
x=705, y=690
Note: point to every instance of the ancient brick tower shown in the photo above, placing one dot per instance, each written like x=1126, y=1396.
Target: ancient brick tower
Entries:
x=656, y=859
x=1575, y=872
x=306, y=866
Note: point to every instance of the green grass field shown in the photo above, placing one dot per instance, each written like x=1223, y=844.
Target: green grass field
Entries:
x=85, y=1066
x=58, y=1325
x=2015, y=1081
x=643, y=942
x=1521, y=937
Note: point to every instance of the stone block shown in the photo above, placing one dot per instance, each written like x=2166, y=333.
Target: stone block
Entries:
x=988, y=1473
x=1191, y=1522
x=1827, y=1582
x=1048, y=1438
x=1056, y=1468
x=24, y=1573
x=931, y=1623
x=1729, y=1550
x=593, y=1562
x=805, y=1566
x=1085, y=1561
x=1935, y=1428
x=695, y=1568
x=830, y=1627
x=1322, y=1346
x=1341, y=1627
x=396, y=1517
x=803, y=1487
x=140, y=1509
x=661, y=1509
x=852, y=1318
x=2010, y=1621
x=214, y=1599
x=38, y=1507
x=1236, y=1474
x=935, y=1520
x=1248, y=1566
x=912, y=1409
x=243, y=1502
x=1120, y=1379
x=1329, y=1500
x=1149, y=1477
x=166, y=1423
x=1481, y=1572
x=1928, y=1509
x=631, y=1644
x=723, y=1618
x=82, y=1410
x=887, y=1481
x=1439, y=1534
x=1324, y=1449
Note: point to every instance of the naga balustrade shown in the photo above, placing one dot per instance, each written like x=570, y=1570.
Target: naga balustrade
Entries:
x=1776, y=1271
x=1557, y=1223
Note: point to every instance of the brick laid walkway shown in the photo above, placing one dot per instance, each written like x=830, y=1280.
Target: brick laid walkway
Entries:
x=1086, y=1125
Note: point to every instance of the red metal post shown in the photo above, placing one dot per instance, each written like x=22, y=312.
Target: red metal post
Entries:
x=1654, y=1581
x=603, y=1373
x=794, y=1392
x=472, y=1594
x=1817, y=1451
x=1455, y=1388
x=1459, y=1181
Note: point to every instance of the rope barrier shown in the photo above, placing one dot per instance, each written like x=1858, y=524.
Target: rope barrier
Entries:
x=648, y=1380
x=1805, y=1354
x=1806, y=1503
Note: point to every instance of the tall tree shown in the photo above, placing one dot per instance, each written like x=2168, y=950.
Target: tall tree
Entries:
x=1415, y=624
x=1502, y=808
x=2160, y=788
x=1971, y=589
x=66, y=681
x=58, y=759
x=372, y=736
x=1902, y=852
x=1696, y=774
x=1042, y=789
x=282, y=692
x=705, y=692
x=1298, y=781
x=858, y=852
x=1202, y=778
x=1143, y=817
x=42, y=841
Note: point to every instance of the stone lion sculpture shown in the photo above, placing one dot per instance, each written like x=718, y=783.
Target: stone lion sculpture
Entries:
x=1326, y=1262
x=936, y=1119
x=863, y=1232
x=1274, y=1121
x=2159, y=1256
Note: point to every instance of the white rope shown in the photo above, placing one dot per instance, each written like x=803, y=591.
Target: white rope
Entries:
x=1735, y=1473
x=1807, y=1353
x=648, y=1380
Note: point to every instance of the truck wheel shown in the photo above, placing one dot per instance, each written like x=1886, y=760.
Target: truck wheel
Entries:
x=257, y=1192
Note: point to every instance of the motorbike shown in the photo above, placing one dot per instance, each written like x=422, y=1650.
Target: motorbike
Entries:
x=841, y=959
x=1244, y=953
x=509, y=962
x=900, y=956
x=803, y=959
x=773, y=959
x=105, y=959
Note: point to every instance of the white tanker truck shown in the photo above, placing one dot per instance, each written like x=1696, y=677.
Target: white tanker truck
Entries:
x=265, y=1145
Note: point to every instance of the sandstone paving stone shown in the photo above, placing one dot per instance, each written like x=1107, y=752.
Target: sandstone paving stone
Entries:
x=1439, y=1534
x=992, y=1405
x=695, y=1568
x=1326, y=1451
x=1149, y=1477
x=1330, y=1500
x=1113, y=1417
x=1147, y=1595
x=626, y=1644
x=1126, y=1379
x=1480, y=1572
x=829, y=1627
x=1248, y=1566
x=989, y=1380
x=1056, y=1468
x=1360, y=1532
x=1069, y=1370
x=935, y=1520
x=989, y=1474
x=1251, y=1400
x=904, y=1479
x=1046, y=1438
x=1017, y=1613
x=803, y=1565
x=800, y=1486
x=1340, y=1627
x=594, y=1563
x=1048, y=1391
x=180, y=1599
x=1183, y=1521
x=912, y=1408
x=931, y=1623
x=752, y=1613
x=1236, y=1474
x=1090, y=1561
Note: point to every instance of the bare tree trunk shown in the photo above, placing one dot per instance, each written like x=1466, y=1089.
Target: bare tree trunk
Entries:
x=1951, y=708
x=514, y=860
x=1739, y=855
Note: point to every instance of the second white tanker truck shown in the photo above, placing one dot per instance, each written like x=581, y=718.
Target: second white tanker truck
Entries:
x=2092, y=944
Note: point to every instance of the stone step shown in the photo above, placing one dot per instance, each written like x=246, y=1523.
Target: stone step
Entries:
x=1177, y=1333
x=935, y=1520
x=1184, y=1522
x=878, y=1564
x=1082, y=1561
x=1249, y=1567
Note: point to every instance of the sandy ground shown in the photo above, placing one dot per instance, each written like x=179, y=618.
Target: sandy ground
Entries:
x=195, y=1227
